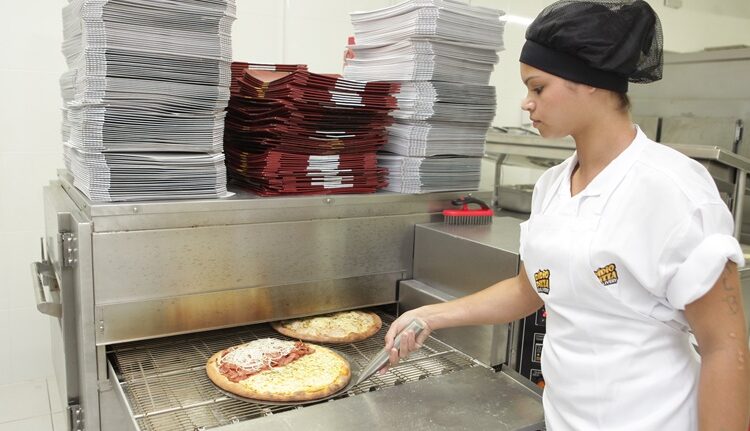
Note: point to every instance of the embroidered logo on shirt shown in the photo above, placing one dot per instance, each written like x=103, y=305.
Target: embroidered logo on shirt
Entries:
x=541, y=278
x=607, y=274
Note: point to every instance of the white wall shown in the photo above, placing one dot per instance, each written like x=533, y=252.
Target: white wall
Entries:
x=30, y=151
x=289, y=31
x=735, y=8
x=685, y=30
x=315, y=32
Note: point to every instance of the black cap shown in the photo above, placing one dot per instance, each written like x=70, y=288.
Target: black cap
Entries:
x=605, y=44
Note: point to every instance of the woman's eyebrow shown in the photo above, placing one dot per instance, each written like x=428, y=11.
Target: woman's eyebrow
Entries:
x=526, y=81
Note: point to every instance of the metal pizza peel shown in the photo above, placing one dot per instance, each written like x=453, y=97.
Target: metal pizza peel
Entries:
x=379, y=360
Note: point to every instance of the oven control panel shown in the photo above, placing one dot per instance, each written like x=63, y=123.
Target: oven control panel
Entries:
x=533, y=329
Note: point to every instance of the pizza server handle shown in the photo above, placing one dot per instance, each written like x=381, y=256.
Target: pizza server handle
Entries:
x=377, y=362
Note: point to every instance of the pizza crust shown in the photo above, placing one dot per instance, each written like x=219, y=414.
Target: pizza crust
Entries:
x=328, y=330
x=313, y=376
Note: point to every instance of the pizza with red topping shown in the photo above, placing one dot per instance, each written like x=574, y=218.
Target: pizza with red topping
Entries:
x=277, y=370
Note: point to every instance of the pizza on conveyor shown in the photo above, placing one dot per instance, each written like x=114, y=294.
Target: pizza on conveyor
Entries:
x=341, y=327
x=276, y=370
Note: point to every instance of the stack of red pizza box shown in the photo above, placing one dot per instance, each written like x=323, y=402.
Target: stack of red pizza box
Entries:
x=291, y=131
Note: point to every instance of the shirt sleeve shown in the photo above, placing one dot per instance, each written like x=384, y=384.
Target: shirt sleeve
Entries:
x=696, y=252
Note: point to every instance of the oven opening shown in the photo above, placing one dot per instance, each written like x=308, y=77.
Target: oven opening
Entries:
x=165, y=385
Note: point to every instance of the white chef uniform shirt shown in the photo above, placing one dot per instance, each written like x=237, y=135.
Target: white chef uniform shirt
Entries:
x=655, y=237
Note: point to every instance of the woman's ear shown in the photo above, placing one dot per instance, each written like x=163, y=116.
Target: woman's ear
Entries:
x=577, y=86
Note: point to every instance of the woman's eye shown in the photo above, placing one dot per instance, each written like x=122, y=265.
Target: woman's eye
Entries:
x=537, y=90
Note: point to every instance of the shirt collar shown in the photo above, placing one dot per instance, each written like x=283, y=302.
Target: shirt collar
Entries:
x=612, y=174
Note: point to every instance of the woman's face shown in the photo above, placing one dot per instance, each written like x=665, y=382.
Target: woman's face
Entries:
x=556, y=106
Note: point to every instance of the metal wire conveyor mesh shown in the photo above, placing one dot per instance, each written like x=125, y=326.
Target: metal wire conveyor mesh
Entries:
x=165, y=382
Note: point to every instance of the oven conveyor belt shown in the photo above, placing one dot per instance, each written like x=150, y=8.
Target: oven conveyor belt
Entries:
x=165, y=383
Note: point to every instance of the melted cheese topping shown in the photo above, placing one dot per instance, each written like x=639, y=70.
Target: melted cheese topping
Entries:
x=335, y=325
x=310, y=373
x=256, y=355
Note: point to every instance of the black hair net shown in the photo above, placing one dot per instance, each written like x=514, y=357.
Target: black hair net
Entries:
x=605, y=43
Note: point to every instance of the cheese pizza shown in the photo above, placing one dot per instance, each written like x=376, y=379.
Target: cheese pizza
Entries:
x=341, y=327
x=276, y=370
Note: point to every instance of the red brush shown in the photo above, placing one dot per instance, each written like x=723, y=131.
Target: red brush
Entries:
x=466, y=215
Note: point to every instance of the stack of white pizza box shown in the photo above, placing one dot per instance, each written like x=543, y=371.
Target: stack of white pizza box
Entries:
x=144, y=97
x=442, y=52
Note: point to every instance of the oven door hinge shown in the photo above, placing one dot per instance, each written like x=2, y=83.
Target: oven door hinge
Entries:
x=69, y=242
x=75, y=413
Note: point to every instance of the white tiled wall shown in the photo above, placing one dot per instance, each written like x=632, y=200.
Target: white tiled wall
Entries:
x=30, y=152
x=288, y=31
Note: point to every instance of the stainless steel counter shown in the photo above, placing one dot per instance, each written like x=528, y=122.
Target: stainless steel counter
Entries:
x=471, y=399
x=461, y=260
x=729, y=170
x=244, y=208
x=452, y=261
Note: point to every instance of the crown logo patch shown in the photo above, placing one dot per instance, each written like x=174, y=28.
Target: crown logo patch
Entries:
x=541, y=279
x=607, y=274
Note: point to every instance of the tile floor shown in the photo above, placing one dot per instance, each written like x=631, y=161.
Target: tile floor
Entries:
x=31, y=406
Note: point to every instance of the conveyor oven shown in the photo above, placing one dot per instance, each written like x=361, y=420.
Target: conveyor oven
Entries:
x=143, y=293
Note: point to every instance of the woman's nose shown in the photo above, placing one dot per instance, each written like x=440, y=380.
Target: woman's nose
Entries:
x=526, y=104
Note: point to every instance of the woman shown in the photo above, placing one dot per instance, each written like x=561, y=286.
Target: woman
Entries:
x=628, y=246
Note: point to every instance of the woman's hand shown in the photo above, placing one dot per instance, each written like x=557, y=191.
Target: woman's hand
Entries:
x=503, y=302
x=409, y=343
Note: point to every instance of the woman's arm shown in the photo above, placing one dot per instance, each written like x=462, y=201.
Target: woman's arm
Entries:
x=718, y=322
x=503, y=302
